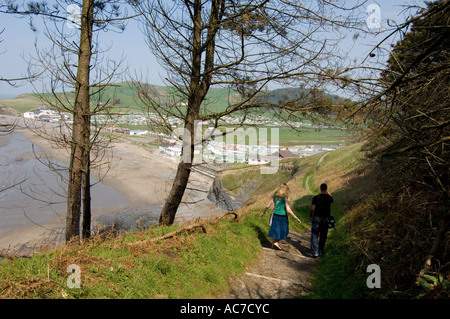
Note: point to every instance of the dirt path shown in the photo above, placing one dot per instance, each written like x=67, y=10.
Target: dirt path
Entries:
x=277, y=274
x=322, y=157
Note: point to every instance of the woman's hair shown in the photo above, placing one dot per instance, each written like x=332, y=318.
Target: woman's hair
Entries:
x=282, y=191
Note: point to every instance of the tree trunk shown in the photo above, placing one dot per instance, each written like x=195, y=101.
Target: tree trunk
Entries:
x=198, y=88
x=74, y=189
x=183, y=172
x=176, y=194
x=81, y=125
x=445, y=223
x=86, y=229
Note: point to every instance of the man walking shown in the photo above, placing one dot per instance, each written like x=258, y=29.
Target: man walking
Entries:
x=320, y=210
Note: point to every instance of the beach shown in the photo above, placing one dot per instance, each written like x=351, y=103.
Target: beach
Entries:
x=131, y=184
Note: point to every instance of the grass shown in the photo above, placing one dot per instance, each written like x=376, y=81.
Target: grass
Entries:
x=340, y=272
x=335, y=278
x=124, y=95
x=22, y=104
x=289, y=137
x=264, y=182
x=191, y=265
x=309, y=136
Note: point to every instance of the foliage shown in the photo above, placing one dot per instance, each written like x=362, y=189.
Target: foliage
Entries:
x=390, y=231
x=436, y=286
x=409, y=136
x=411, y=117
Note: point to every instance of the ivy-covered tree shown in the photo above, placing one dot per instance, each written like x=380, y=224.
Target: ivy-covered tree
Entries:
x=410, y=127
x=413, y=114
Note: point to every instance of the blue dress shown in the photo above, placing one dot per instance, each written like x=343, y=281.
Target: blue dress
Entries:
x=280, y=223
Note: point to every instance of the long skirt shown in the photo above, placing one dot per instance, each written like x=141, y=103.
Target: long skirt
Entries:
x=280, y=227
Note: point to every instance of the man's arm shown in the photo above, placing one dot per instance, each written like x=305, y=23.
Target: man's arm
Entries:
x=311, y=210
x=313, y=206
x=329, y=194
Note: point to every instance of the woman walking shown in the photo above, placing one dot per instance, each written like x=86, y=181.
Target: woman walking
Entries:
x=279, y=223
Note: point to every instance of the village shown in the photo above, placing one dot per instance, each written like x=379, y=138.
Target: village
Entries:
x=223, y=152
x=212, y=150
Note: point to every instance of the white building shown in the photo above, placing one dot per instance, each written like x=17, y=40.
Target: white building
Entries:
x=47, y=115
x=138, y=133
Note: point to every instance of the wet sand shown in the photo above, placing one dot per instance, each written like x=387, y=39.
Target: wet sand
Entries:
x=142, y=176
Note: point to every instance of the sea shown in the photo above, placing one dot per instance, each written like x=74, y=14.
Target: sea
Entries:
x=33, y=199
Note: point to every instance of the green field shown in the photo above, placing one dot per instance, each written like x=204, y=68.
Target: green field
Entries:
x=290, y=137
x=23, y=103
x=124, y=98
x=306, y=136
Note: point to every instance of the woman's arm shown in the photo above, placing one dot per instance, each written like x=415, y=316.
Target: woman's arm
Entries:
x=289, y=210
x=269, y=203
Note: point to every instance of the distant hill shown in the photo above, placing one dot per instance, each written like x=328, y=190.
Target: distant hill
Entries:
x=278, y=96
x=22, y=103
x=124, y=95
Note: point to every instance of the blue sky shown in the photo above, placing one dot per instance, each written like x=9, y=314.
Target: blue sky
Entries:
x=18, y=45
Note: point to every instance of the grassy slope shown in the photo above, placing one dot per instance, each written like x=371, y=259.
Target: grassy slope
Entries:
x=348, y=184
x=193, y=265
x=309, y=136
x=124, y=94
x=23, y=103
x=188, y=266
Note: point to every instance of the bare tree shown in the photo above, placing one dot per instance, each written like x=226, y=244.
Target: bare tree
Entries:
x=74, y=55
x=243, y=46
x=7, y=128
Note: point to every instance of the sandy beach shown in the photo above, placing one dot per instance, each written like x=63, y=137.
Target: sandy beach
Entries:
x=143, y=178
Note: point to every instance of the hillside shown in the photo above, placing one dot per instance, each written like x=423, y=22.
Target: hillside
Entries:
x=22, y=103
x=192, y=264
x=213, y=257
x=124, y=96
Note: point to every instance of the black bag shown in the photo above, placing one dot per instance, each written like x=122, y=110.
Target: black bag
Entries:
x=328, y=222
x=331, y=222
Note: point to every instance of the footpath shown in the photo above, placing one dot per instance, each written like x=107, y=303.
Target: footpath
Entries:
x=277, y=274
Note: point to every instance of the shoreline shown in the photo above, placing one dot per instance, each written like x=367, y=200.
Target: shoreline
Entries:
x=142, y=176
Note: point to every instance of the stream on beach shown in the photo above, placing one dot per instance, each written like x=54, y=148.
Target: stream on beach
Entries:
x=32, y=199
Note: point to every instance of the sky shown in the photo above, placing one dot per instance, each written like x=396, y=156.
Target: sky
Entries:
x=18, y=45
